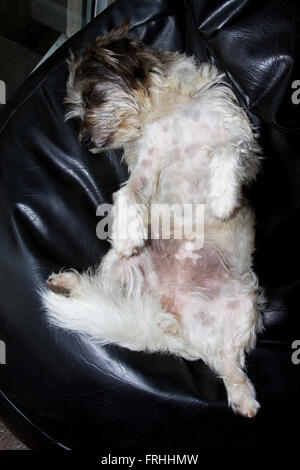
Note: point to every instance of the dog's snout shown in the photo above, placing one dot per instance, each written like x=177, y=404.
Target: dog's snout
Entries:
x=86, y=141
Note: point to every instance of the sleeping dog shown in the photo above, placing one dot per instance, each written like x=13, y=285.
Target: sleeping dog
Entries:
x=187, y=143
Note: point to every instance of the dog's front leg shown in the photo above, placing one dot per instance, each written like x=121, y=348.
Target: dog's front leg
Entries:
x=130, y=213
x=224, y=181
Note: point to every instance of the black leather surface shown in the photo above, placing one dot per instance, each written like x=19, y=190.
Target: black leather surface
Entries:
x=88, y=397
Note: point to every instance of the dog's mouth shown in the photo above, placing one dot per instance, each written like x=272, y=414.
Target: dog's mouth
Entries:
x=93, y=142
x=95, y=150
x=86, y=141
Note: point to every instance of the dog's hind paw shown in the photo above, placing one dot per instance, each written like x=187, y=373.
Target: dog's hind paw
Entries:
x=243, y=402
x=64, y=283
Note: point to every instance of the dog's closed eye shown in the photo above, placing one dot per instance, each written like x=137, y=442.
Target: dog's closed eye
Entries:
x=92, y=96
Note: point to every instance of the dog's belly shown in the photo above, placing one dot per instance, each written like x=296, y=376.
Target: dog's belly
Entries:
x=188, y=183
x=199, y=289
x=188, y=281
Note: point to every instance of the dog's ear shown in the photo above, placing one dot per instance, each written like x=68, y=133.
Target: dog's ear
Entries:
x=122, y=31
x=129, y=61
x=115, y=34
x=123, y=55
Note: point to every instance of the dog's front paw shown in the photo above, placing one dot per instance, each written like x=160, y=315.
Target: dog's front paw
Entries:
x=129, y=238
x=129, y=247
x=64, y=283
x=223, y=207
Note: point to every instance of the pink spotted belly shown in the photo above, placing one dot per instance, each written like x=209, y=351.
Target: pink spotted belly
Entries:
x=179, y=275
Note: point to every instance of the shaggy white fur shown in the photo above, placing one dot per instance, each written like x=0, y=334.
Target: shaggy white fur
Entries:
x=193, y=144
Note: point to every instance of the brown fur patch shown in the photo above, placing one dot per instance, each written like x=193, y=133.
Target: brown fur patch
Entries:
x=168, y=304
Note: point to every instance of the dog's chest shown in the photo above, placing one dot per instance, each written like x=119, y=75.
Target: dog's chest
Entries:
x=176, y=149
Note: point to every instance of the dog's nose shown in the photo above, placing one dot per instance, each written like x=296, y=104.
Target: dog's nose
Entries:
x=86, y=141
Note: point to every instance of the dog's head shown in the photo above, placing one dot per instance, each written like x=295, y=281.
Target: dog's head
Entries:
x=108, y=87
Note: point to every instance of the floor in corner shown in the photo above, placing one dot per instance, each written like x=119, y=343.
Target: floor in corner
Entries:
x=8, y=441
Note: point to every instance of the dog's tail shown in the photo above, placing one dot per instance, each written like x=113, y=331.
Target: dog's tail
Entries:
x=137, y=322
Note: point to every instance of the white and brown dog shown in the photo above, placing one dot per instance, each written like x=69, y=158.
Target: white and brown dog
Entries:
x=186, y=141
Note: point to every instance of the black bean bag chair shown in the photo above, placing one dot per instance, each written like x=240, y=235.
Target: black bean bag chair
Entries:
x=57, y=389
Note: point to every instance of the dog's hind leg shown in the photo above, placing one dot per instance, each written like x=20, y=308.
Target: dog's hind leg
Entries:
x=240, y=390
x=226, y=350
x=223, y=328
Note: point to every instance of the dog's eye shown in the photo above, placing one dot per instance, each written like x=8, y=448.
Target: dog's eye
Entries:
x=139, y=74
x=92, y=97
x=86, y=99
